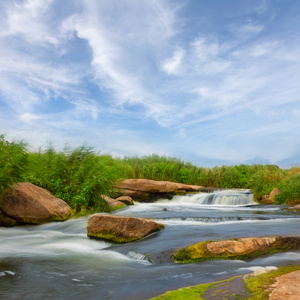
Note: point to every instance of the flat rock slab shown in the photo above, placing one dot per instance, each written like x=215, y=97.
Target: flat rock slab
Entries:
x=30, y=204
x=153, y=186
x=145, y=189
x=286, y=287
x=236, y=249
x=119, y=230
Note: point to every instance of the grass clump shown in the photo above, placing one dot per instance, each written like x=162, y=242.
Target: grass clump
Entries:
x=290, y=190
x=79, y=176
x=13, y=162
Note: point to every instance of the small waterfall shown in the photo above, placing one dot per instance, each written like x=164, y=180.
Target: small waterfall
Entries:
x=217, y=198
x=224, y=198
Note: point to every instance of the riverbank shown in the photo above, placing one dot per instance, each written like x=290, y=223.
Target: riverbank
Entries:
x=265, y=284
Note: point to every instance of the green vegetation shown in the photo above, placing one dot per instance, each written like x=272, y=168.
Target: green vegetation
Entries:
x=13, y=162
x=81, y=176
x=258, y=285
x=290, y=190
x=252, y=287
x=195, y=292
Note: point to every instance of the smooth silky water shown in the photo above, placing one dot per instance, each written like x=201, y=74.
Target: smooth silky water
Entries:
x=58, y=261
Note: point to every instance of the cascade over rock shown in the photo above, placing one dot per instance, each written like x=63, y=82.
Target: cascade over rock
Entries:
x=30, y=204
x=120, y=229
x=144, y=189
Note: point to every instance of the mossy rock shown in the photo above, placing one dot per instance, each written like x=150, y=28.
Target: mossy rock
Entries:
x=118, y=229
x=236, y=249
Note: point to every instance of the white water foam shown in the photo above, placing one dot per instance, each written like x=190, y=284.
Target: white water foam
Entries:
x=195, y=222
x=219, y=198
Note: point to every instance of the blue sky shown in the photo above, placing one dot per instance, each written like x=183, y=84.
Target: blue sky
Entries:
x=211, y=82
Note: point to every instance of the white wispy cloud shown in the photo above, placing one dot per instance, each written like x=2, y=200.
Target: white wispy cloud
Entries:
x=172, y=65
x=72, y=69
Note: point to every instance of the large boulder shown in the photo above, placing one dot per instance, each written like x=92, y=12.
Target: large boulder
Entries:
x=144, y=189
x=30, y=204
x=119, y=230
x=236, y=249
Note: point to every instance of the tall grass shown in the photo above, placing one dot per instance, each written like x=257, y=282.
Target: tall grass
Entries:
x=13, y=162
x=79, y=176
x=290, y=190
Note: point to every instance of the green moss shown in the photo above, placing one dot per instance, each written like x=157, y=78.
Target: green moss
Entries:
x=258, y=285
x=216, y=289
x=199, y=252
x=253, y=288
x=112, y=237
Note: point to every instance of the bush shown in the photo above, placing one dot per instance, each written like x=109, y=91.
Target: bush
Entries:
x=290, y=190
x=80, y=177
x=13, y=163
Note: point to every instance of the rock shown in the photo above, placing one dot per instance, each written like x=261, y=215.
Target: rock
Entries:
x=286, y=287
x=30, y=204
x=143, y=189
x=112, y=202
x=236, y=249
x=7, y=221
x=125, y=199
x=243, y=245
x=296, y=207
x=120, y=229
x=271, y=197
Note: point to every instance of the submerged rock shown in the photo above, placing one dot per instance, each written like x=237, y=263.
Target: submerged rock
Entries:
x=236, y=249
x=30, y=204
x=119, y=230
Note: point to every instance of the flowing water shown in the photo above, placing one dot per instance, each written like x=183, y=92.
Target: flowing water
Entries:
x=58, y=261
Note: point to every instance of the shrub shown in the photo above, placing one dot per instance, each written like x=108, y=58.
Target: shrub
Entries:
x=13, y=162
x=290, y=190
x=80, y=177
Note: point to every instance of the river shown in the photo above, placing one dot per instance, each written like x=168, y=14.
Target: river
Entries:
x=58, y=261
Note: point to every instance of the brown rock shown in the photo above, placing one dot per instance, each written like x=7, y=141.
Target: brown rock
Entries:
x=31, y=204
x=236, y=249
x=296, y=207
x=141, y=188
x=112, y=202
x=120, y=229
x=243, y=245
x=271, y=197
x=286, y=287
x=7, y=221
x=125, y=199
x=148, y=186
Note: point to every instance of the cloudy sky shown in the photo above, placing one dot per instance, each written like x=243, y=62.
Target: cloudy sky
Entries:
x=211, y=82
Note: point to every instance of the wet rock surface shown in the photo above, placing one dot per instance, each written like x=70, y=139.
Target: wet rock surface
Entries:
x=120, y=229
